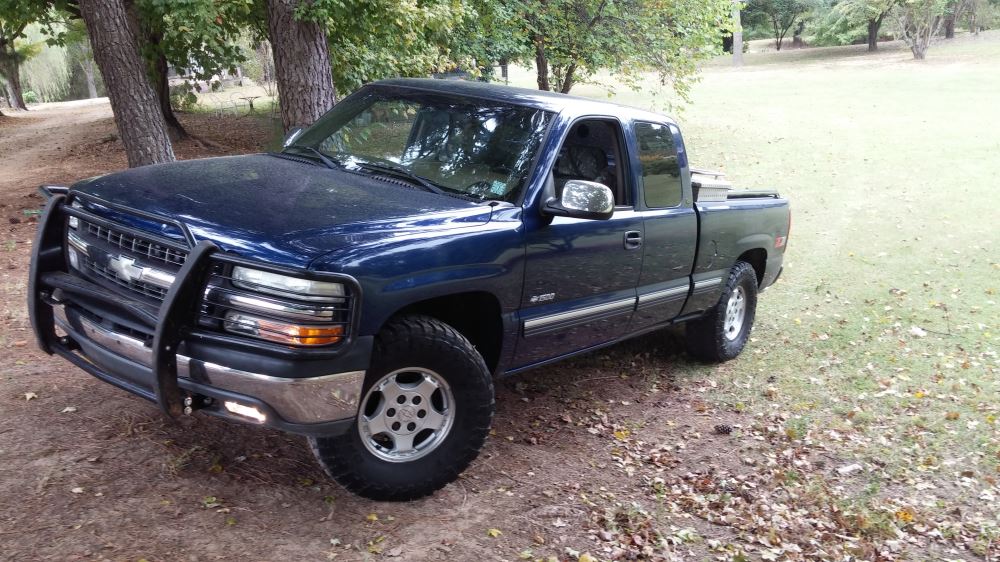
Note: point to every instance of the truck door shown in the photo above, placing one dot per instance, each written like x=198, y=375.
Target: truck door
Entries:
x=580, y=275
x=671, y=225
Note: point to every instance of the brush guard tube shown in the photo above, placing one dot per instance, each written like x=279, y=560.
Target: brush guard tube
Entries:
x=177, y=313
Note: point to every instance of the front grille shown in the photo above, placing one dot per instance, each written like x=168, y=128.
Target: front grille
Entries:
x=106, y=244
x=145, y=248
x=140, y=287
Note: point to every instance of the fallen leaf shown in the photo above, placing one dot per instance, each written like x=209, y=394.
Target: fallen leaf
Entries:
x=494, y=533
x=29, y=396
x=850, y=469
x=395, y=552
x=68, y=410
x=77, y=490
x=372, y=517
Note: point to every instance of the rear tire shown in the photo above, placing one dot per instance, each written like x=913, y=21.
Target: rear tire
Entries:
x=723, y=331
x=426, y=409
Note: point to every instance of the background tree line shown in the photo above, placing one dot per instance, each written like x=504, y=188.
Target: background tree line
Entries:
x=316, y=51
x=845, y=22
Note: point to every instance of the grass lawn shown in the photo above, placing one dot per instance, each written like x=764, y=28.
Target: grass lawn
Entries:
x=879, y=344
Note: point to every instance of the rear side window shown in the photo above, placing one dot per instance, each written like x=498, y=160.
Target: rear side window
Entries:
x=661, y=173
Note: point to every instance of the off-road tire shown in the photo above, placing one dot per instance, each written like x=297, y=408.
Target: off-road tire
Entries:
x=706, y=336
x=416, y=342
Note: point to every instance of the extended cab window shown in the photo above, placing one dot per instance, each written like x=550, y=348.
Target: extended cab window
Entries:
x=477, y=148
x=661, y=174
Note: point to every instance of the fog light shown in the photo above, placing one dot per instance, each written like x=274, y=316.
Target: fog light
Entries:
x=245, y=411
x=282, y=332
x=74, y=222
x=74, y=258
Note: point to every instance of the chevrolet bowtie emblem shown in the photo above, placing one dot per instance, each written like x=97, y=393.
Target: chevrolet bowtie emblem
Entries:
x=125, y=268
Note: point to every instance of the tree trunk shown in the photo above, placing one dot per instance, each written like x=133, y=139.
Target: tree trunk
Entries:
x=10, y=72
x=737, y=36
x=162, y=86
x=137, y=113
x=567, y=83
x=873, y=28
x=301, y=64
x=87, y=66
x=541, y=64
x=949, y=27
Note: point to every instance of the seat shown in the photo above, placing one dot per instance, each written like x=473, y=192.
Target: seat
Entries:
x=578, y=162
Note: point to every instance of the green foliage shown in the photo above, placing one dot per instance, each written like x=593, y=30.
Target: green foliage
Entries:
x=198, y=35
x=834, y=28
x=377, y=39
x=577, y=38
x=778, y=15
x=182, y=98
x=45, y=72
x=492, y=32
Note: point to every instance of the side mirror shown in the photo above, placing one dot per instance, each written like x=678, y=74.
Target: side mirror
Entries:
x=293, y=134
x=583, y=200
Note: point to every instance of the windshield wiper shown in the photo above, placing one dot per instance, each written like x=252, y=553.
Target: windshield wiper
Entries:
x=322, y=157
x=404, y=173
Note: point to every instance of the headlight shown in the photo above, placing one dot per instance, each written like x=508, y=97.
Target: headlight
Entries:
x=285, y=285
x=282, y=332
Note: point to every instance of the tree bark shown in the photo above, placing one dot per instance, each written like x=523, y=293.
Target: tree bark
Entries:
x=10, y=72
x=737, y=36
x=873, y=28
x=301, y=64
x=567, y=82
x=162, y=87
x=541, y=63
x=137, y=113
x=949, y=27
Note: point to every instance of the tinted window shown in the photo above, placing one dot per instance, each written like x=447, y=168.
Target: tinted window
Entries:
x=661, y=174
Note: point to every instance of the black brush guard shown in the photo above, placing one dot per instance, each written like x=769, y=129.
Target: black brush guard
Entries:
x=169, y=327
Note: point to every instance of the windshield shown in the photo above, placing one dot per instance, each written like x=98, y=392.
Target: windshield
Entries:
x=480, y=149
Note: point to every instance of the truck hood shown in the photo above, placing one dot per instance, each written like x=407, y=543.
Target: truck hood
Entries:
x=278, y=210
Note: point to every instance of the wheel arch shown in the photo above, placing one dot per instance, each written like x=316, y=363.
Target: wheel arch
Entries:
x=757, y=258
x=477, y=315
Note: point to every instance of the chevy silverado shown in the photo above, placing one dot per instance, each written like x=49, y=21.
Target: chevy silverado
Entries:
x=365, y=285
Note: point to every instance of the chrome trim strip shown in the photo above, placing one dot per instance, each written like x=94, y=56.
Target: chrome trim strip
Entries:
x=260, y=304
x=308, y=400
x=542, y=321
x=705, y=283
x=156, y=277
x=665, y=294
x=78, y=243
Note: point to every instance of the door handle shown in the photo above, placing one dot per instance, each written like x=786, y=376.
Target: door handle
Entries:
x=633, y=239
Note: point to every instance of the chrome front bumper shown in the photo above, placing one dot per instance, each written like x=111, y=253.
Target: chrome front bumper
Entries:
x=298, y=401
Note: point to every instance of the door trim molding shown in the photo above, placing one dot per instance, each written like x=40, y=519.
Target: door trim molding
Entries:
x=660, y=297
x=583, y=315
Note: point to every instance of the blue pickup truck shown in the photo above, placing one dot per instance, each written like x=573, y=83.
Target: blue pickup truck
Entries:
x=365, y=285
